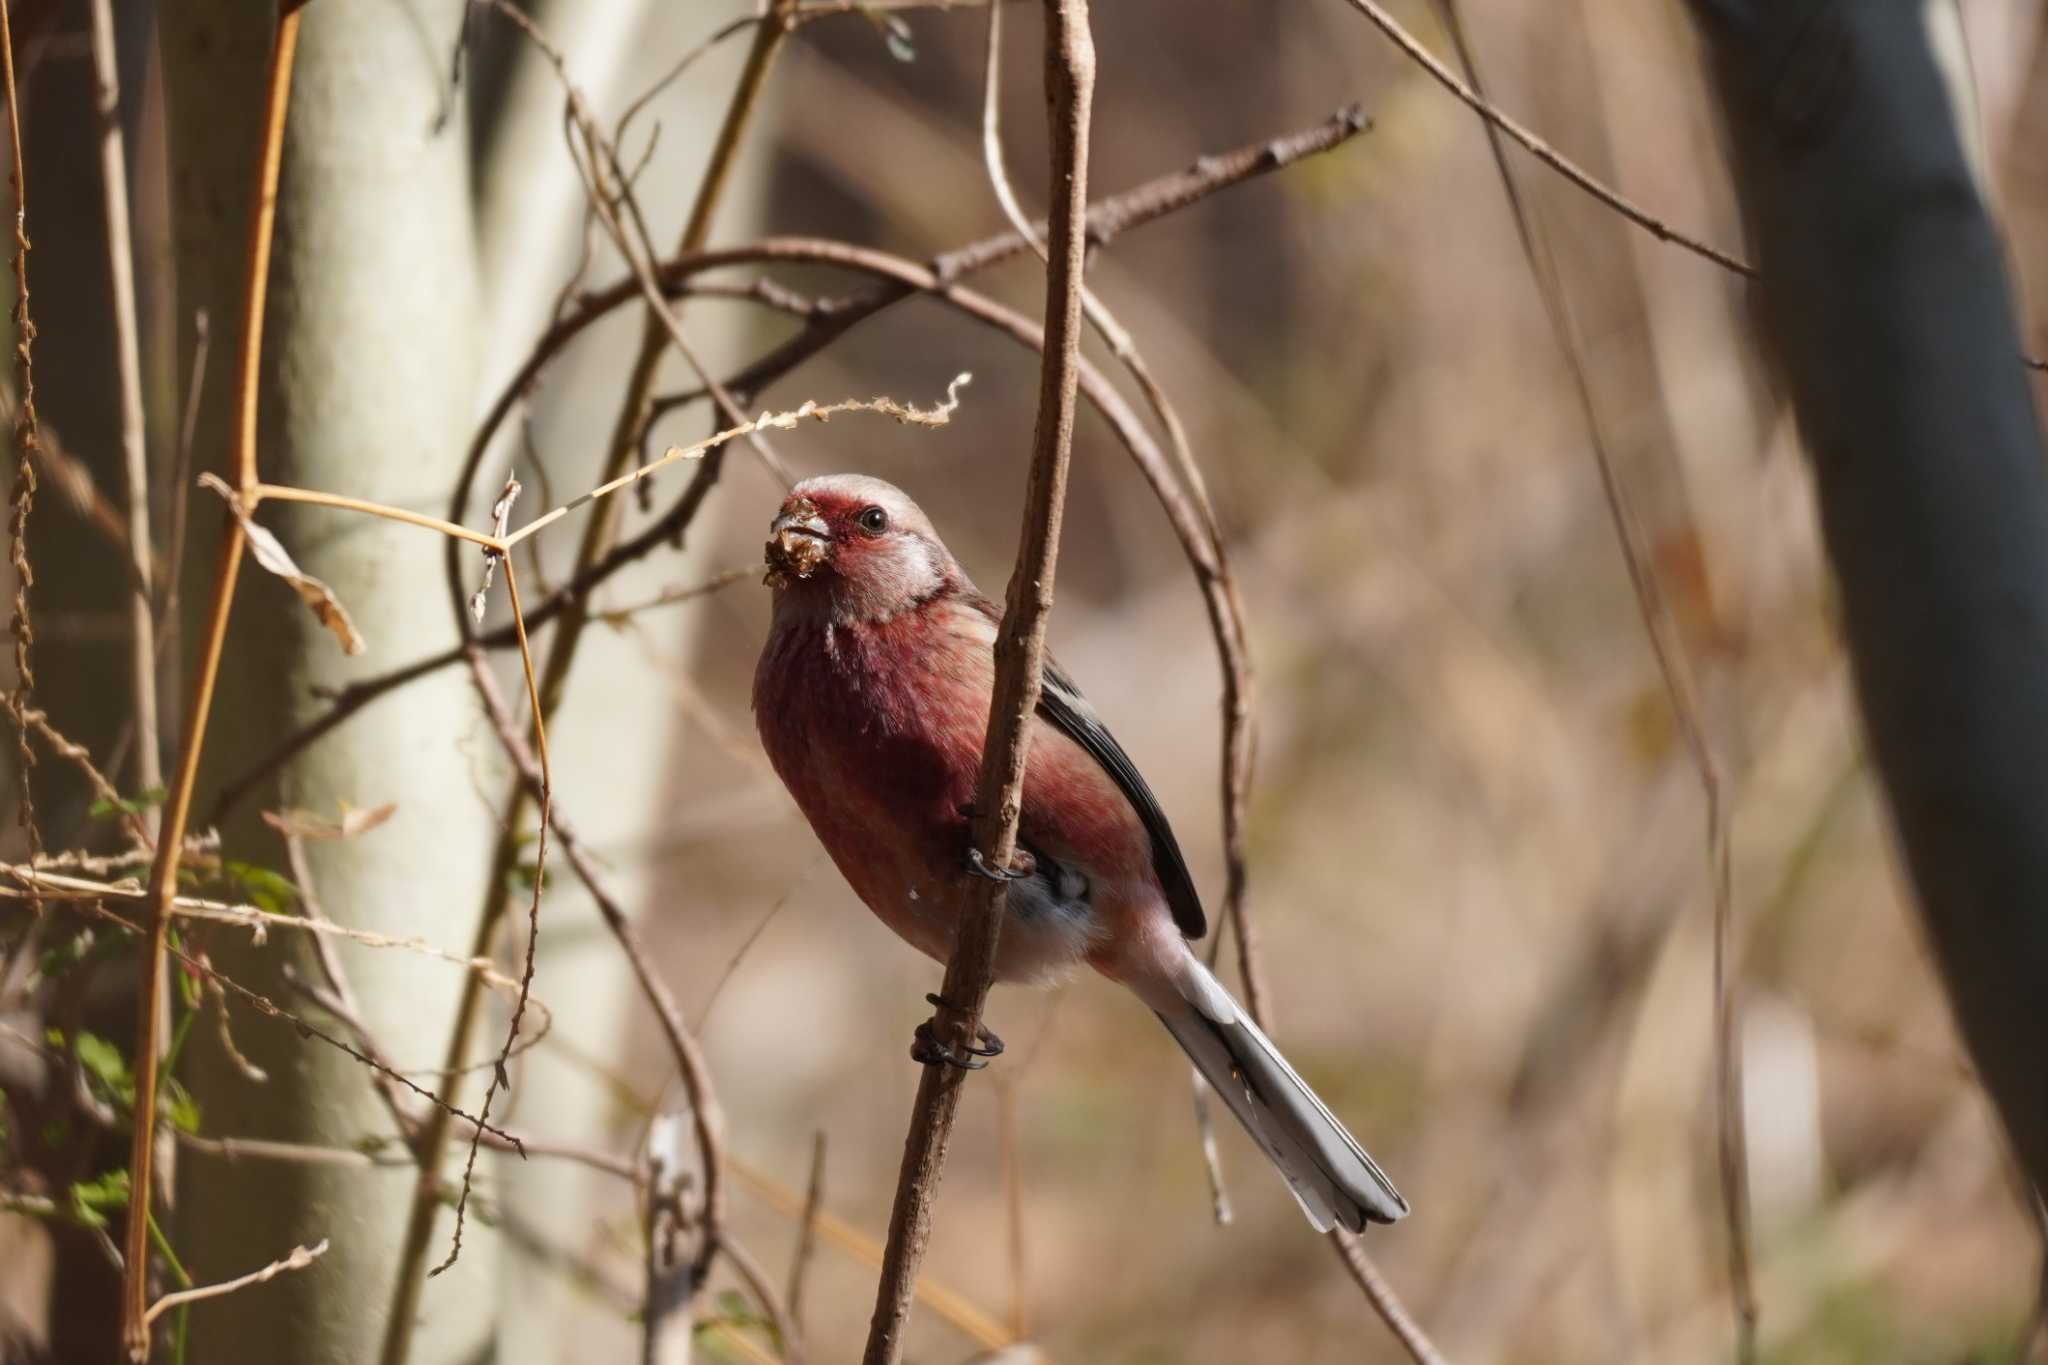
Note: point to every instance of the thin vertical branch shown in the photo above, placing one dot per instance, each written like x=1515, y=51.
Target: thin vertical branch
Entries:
x=806, y=1238
x=1020, y=656
x=1201, y=537
x=128, y=371
x=546, y=799
x=1683, y=694
x=163, y=879
x=25, y=466
x=149, y=773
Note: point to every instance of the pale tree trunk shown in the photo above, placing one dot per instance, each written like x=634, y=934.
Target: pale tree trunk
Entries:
x=1885, y=292
x=370, y=383
x=618, y=743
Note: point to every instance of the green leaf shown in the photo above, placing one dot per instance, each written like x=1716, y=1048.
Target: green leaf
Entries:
x=146, y=799
x=104, y=1063
x=180, y=1106
x=269, y=891
x=92, y=1200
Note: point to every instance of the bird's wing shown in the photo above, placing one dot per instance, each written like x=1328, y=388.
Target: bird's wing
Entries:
x=1062, y=703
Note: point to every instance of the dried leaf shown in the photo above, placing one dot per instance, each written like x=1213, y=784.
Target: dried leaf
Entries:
x=271, y=554
x=295, y=823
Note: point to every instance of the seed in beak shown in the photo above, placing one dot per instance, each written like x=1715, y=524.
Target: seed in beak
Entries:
x=797, y=543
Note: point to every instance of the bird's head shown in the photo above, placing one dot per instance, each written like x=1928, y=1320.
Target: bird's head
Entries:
x=857, y=549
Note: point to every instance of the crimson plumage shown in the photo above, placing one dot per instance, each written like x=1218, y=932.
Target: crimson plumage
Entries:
x=872, y=698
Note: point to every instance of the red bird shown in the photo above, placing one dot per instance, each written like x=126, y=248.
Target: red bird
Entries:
x=872, y=697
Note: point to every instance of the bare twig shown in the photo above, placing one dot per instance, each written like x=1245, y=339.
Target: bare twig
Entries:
x=608, y=189
x=947, y=1303
x=544, y=799
x=1212, y=567
x=300, y=1258
x=141, y=598
x=1537, y=147
x=128, y=370
x=269, y=1008
x=668, y=597
x=1384, y=1300
x=164, y=873
x=806, y=1238
x=1212, y=1159
x=763, y=1289
x=706, y=1116
x=81, y=757
x=600, y=533
x=1107, y=220
x=1019, y=652
x=60, y=886
x=25, y=462
x=1683, y=694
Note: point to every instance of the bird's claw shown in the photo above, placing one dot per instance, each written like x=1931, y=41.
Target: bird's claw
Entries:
x=979, y=866
x=928, y=1048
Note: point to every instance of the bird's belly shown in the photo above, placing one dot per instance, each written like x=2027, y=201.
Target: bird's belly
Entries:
x=1049, y=926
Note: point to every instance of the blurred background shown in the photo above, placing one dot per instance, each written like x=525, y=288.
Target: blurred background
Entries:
x=1478, y=844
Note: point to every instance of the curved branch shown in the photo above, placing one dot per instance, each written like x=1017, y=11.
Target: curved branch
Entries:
x=897, y=279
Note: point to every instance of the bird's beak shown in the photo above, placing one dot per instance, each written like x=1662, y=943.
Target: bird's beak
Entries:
x=798, y=540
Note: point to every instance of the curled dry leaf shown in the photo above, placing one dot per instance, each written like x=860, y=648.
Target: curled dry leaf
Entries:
x=271, y=554
x=295, y=823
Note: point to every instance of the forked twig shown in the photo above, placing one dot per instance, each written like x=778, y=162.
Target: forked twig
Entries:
x=300, y=1258
x=170, y=845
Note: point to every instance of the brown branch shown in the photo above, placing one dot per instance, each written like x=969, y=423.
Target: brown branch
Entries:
x=1107, y=220
x=128, y=370
x=25, y=464
x=757, y=1282
x=164, y=872
x=707, y=1117
x=1383, y=1299
x=1538, y=148
x=1020, y=657
x=1219, y=588
x=1143, y=204
x=544, y=799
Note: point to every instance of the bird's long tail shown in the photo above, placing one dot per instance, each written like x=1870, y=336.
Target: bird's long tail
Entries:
x=1330, y=1174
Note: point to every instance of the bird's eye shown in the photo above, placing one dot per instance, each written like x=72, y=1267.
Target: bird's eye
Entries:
x=873, y=521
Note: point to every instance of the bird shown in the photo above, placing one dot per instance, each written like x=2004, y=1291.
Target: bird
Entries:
x=872, y=697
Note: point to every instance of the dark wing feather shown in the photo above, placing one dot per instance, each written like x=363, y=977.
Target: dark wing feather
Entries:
x=1062, y=703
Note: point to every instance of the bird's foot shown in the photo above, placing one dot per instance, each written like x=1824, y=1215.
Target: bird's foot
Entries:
x=1022, y=866
x=927, y=1047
